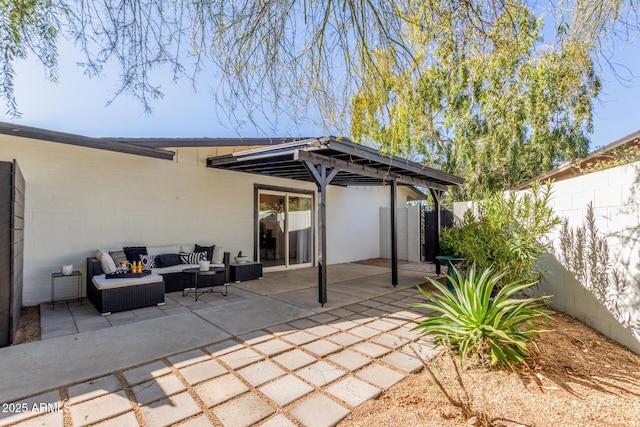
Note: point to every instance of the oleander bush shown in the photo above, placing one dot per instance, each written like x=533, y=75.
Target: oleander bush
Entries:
x=507, y=231
x=485, y=323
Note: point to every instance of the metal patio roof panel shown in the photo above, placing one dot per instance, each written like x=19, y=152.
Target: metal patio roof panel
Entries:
x=358, y=165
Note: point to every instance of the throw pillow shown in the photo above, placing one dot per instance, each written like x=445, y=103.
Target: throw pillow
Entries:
x=208, y=249
x=192, y=258
x=148, y=261
x=106, y=262
x=118, y=256
x=167, y=260
x=133, y=252
x=218, y=255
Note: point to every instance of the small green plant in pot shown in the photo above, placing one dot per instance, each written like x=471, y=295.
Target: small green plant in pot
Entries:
x=240, y=259
x=488, y=329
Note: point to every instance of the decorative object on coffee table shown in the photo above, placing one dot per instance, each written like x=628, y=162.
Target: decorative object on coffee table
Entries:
x=245, y=271
x=204, y=265
x=67, y=269
x=240, y=258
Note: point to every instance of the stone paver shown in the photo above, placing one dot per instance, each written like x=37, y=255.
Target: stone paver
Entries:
x=272, y=347
x=188, y=358
x=319, y=411
x=201, y=421
x=371, y=349
x=243, y=411
x=403, y=362
x=344, y=324
x=146, y=372
x=224, y=347
x=278, y=421
x=93, y=388
x=345, y=339
x=220, y=389
x=294, y=359
x=286, y=390
x=407, y=333
x=381, y=325
x=255, y=337
x=128, y=419
x=199, y=372
x=9, y=415
x=157, y=389
x=100, y=408
x=261, y=372
x=303, y=323
x=390, y=340
x=322, y=330
x=320, y=373
x=300, y=337
x=321, y=347
x=241, y=358
x=169, y=411
x=350, y=360
x=364, y=332
x=48, y=419
x=380, y=376
x=353, y=391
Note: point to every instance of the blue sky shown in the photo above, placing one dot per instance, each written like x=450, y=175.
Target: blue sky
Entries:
x=77, y=104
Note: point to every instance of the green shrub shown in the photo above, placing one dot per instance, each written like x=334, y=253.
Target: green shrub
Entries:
x=505, y=231
x=487, y=329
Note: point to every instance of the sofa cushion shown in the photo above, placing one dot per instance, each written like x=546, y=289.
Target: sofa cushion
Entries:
x=192, y=258
x=106, y=262
x=102, y=283
x=167, y=260
x=148, y=261
x=173, y=269
x=218, y=255
x=117, y=257
x=133, y=252
x=207, y=249
x=157, y=250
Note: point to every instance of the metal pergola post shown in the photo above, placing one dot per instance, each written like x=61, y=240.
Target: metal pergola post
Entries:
x=437, y=196
x=394, y=234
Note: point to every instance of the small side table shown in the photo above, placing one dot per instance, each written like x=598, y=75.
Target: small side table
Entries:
x=196, y=272
x=55, y=276
x=245, y=271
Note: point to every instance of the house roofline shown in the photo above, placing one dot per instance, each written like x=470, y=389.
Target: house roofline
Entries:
x=632, y=137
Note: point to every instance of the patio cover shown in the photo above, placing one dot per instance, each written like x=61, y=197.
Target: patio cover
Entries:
x=339, y=161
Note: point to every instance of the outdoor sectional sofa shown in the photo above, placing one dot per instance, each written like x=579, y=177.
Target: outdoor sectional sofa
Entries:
x=150, y=290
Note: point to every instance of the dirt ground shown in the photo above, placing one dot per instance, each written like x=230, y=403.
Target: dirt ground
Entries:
x=575, y=377
x=28, y=326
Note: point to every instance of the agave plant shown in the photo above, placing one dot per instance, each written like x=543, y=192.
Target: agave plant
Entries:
x=470, y=320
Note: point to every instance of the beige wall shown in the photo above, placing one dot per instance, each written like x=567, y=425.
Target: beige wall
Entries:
x=80, y=199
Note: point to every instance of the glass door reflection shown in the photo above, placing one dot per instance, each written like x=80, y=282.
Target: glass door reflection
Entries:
x=272, y=229
x=299, y=229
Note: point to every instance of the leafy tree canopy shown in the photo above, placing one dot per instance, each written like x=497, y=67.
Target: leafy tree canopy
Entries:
x=469, y=85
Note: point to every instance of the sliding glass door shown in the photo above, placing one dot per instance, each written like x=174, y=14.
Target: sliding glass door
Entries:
x=285, y=229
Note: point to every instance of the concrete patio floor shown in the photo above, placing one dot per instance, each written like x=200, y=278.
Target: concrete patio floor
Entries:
x=267, y=354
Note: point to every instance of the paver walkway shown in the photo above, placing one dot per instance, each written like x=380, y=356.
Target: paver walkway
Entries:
x=311, y=370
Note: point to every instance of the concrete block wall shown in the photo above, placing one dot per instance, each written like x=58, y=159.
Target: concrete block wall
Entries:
x=615, y=194
x=79, y=199
x=408, y=233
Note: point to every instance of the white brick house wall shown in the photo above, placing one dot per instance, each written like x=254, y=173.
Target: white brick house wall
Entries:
x=79, y=199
